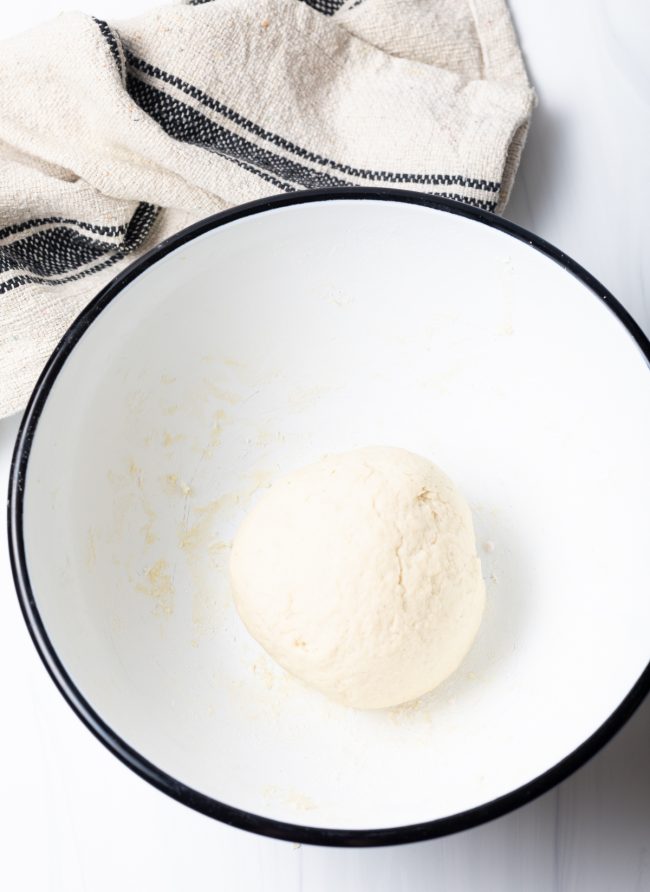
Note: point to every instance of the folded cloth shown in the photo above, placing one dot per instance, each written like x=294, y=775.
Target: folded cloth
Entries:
x=112, y=137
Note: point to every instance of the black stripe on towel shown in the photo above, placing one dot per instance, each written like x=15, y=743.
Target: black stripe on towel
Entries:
x=114, y=44
x=189, y=125
x=386, y=176
x=108, y=231
x=45, y=257
x=327, y=7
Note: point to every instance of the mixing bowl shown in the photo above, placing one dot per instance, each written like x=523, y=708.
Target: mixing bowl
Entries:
x=257, y=341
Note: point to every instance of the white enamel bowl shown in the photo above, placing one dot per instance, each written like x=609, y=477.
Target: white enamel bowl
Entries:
x=257, y=341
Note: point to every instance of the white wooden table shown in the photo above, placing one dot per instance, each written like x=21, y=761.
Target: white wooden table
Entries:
x=73, y=818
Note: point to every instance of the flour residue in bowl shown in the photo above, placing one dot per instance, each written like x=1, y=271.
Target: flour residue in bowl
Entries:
x=288, y=797
x=158, y=584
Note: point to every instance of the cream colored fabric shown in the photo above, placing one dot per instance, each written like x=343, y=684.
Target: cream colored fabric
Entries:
x=112, y=137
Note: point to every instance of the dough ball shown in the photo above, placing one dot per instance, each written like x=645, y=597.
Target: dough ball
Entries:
x=359, y=575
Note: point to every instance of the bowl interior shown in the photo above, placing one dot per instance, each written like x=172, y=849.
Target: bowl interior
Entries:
x=303, y=330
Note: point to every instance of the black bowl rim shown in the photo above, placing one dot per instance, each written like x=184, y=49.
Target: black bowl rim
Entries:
x=129, y=756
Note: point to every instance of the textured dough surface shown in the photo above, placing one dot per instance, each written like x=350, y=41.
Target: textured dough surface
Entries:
x=359, y=575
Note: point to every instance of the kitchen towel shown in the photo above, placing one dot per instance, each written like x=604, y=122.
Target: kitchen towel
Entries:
x=114, y=136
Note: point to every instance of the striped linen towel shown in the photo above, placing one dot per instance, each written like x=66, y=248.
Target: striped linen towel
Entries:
x=112, y=137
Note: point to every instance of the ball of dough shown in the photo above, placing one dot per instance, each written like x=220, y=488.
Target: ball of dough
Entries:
x=359, y=575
